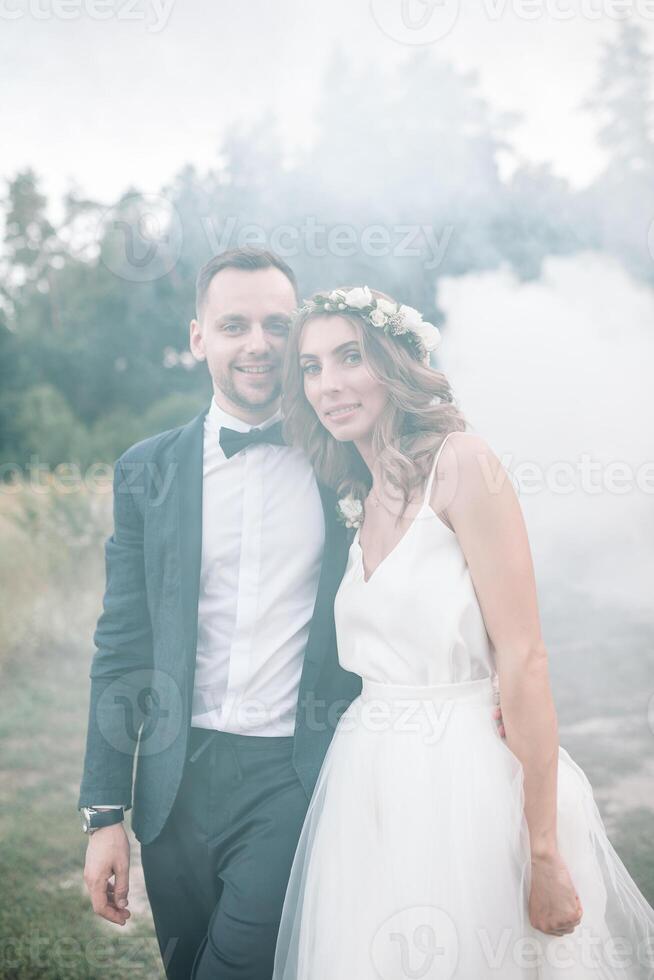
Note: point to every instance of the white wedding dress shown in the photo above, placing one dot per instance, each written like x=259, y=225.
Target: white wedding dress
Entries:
x=413, y=861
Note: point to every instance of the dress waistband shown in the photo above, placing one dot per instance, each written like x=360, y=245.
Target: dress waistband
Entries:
x=482, y=691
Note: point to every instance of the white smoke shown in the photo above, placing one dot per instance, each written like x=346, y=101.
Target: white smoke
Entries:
x=551, y=369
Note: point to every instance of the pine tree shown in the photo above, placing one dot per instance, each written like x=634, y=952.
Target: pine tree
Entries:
x=624, y=102
x=28, y=232
x=621, y=200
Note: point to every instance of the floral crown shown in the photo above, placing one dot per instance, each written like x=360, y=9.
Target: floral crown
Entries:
x=393, y=319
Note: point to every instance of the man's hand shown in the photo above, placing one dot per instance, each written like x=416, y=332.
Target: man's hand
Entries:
x=497, y=715
x=107, y=856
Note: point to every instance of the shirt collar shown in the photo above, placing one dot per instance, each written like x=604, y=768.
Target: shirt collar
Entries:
x=218, y=418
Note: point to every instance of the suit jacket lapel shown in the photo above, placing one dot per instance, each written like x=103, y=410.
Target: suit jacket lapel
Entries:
x=321, y=633
x=189, y=458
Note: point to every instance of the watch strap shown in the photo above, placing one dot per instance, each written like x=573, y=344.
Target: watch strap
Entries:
x=95, y=819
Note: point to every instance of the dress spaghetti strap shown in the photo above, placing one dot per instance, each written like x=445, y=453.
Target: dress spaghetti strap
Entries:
x=430, y=482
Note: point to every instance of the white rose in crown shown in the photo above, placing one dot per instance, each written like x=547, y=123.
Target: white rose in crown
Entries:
x=350, y=511
x=412, y=319
x=427, y=332
x=358, y=297
x=429, y=335
x=386, y=306
x=377, y=317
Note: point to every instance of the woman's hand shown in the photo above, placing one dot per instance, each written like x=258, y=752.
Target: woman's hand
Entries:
x=554, y=905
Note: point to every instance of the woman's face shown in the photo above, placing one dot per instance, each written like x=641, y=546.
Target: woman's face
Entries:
x=345, y=396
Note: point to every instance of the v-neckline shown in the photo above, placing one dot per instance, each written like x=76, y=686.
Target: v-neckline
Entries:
x=397, y=544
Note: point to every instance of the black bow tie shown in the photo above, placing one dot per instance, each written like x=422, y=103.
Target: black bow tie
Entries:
x=232, y=442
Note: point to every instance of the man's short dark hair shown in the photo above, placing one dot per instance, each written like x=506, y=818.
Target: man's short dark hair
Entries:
x=248, y=259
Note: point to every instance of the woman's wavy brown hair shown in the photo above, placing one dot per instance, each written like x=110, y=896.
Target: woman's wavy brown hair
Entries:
x=420, y=411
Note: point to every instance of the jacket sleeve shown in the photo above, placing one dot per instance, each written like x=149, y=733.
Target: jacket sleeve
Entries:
x=122, y=664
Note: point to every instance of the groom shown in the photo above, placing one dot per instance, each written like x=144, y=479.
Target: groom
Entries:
x=216, y=661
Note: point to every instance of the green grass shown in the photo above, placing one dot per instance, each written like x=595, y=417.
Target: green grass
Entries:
x=46, y=923
x=51, y=571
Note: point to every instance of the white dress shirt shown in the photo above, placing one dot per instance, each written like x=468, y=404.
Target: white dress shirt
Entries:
x=263, y=535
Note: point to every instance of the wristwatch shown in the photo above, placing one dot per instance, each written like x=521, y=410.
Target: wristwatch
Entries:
x=93, y=818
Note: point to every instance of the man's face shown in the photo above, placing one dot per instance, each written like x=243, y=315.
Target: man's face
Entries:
x=242, y=333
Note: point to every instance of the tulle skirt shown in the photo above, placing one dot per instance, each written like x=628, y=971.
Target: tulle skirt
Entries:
x=414, y=860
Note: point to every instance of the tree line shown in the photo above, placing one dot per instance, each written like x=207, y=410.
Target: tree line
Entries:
x=406, y=182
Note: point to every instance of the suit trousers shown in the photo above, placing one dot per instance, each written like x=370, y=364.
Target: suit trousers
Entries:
x=217, y=873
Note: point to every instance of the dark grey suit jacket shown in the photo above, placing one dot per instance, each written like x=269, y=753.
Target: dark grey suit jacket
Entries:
x=143, y=670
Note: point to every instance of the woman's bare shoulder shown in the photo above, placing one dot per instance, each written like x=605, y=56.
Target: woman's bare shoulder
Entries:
x=467, y=470
x=463, y=449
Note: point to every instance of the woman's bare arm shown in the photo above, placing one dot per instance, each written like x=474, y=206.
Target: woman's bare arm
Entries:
x=483, y=509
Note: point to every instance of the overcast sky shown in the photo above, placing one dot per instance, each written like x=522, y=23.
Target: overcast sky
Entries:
x=129, y=99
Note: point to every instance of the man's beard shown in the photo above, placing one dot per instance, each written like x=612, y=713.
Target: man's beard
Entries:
x=228, y=387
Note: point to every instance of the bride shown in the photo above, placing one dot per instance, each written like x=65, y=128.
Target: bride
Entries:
x=431, y=847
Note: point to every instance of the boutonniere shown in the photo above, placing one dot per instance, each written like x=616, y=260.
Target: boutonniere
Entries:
x=350, y=511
